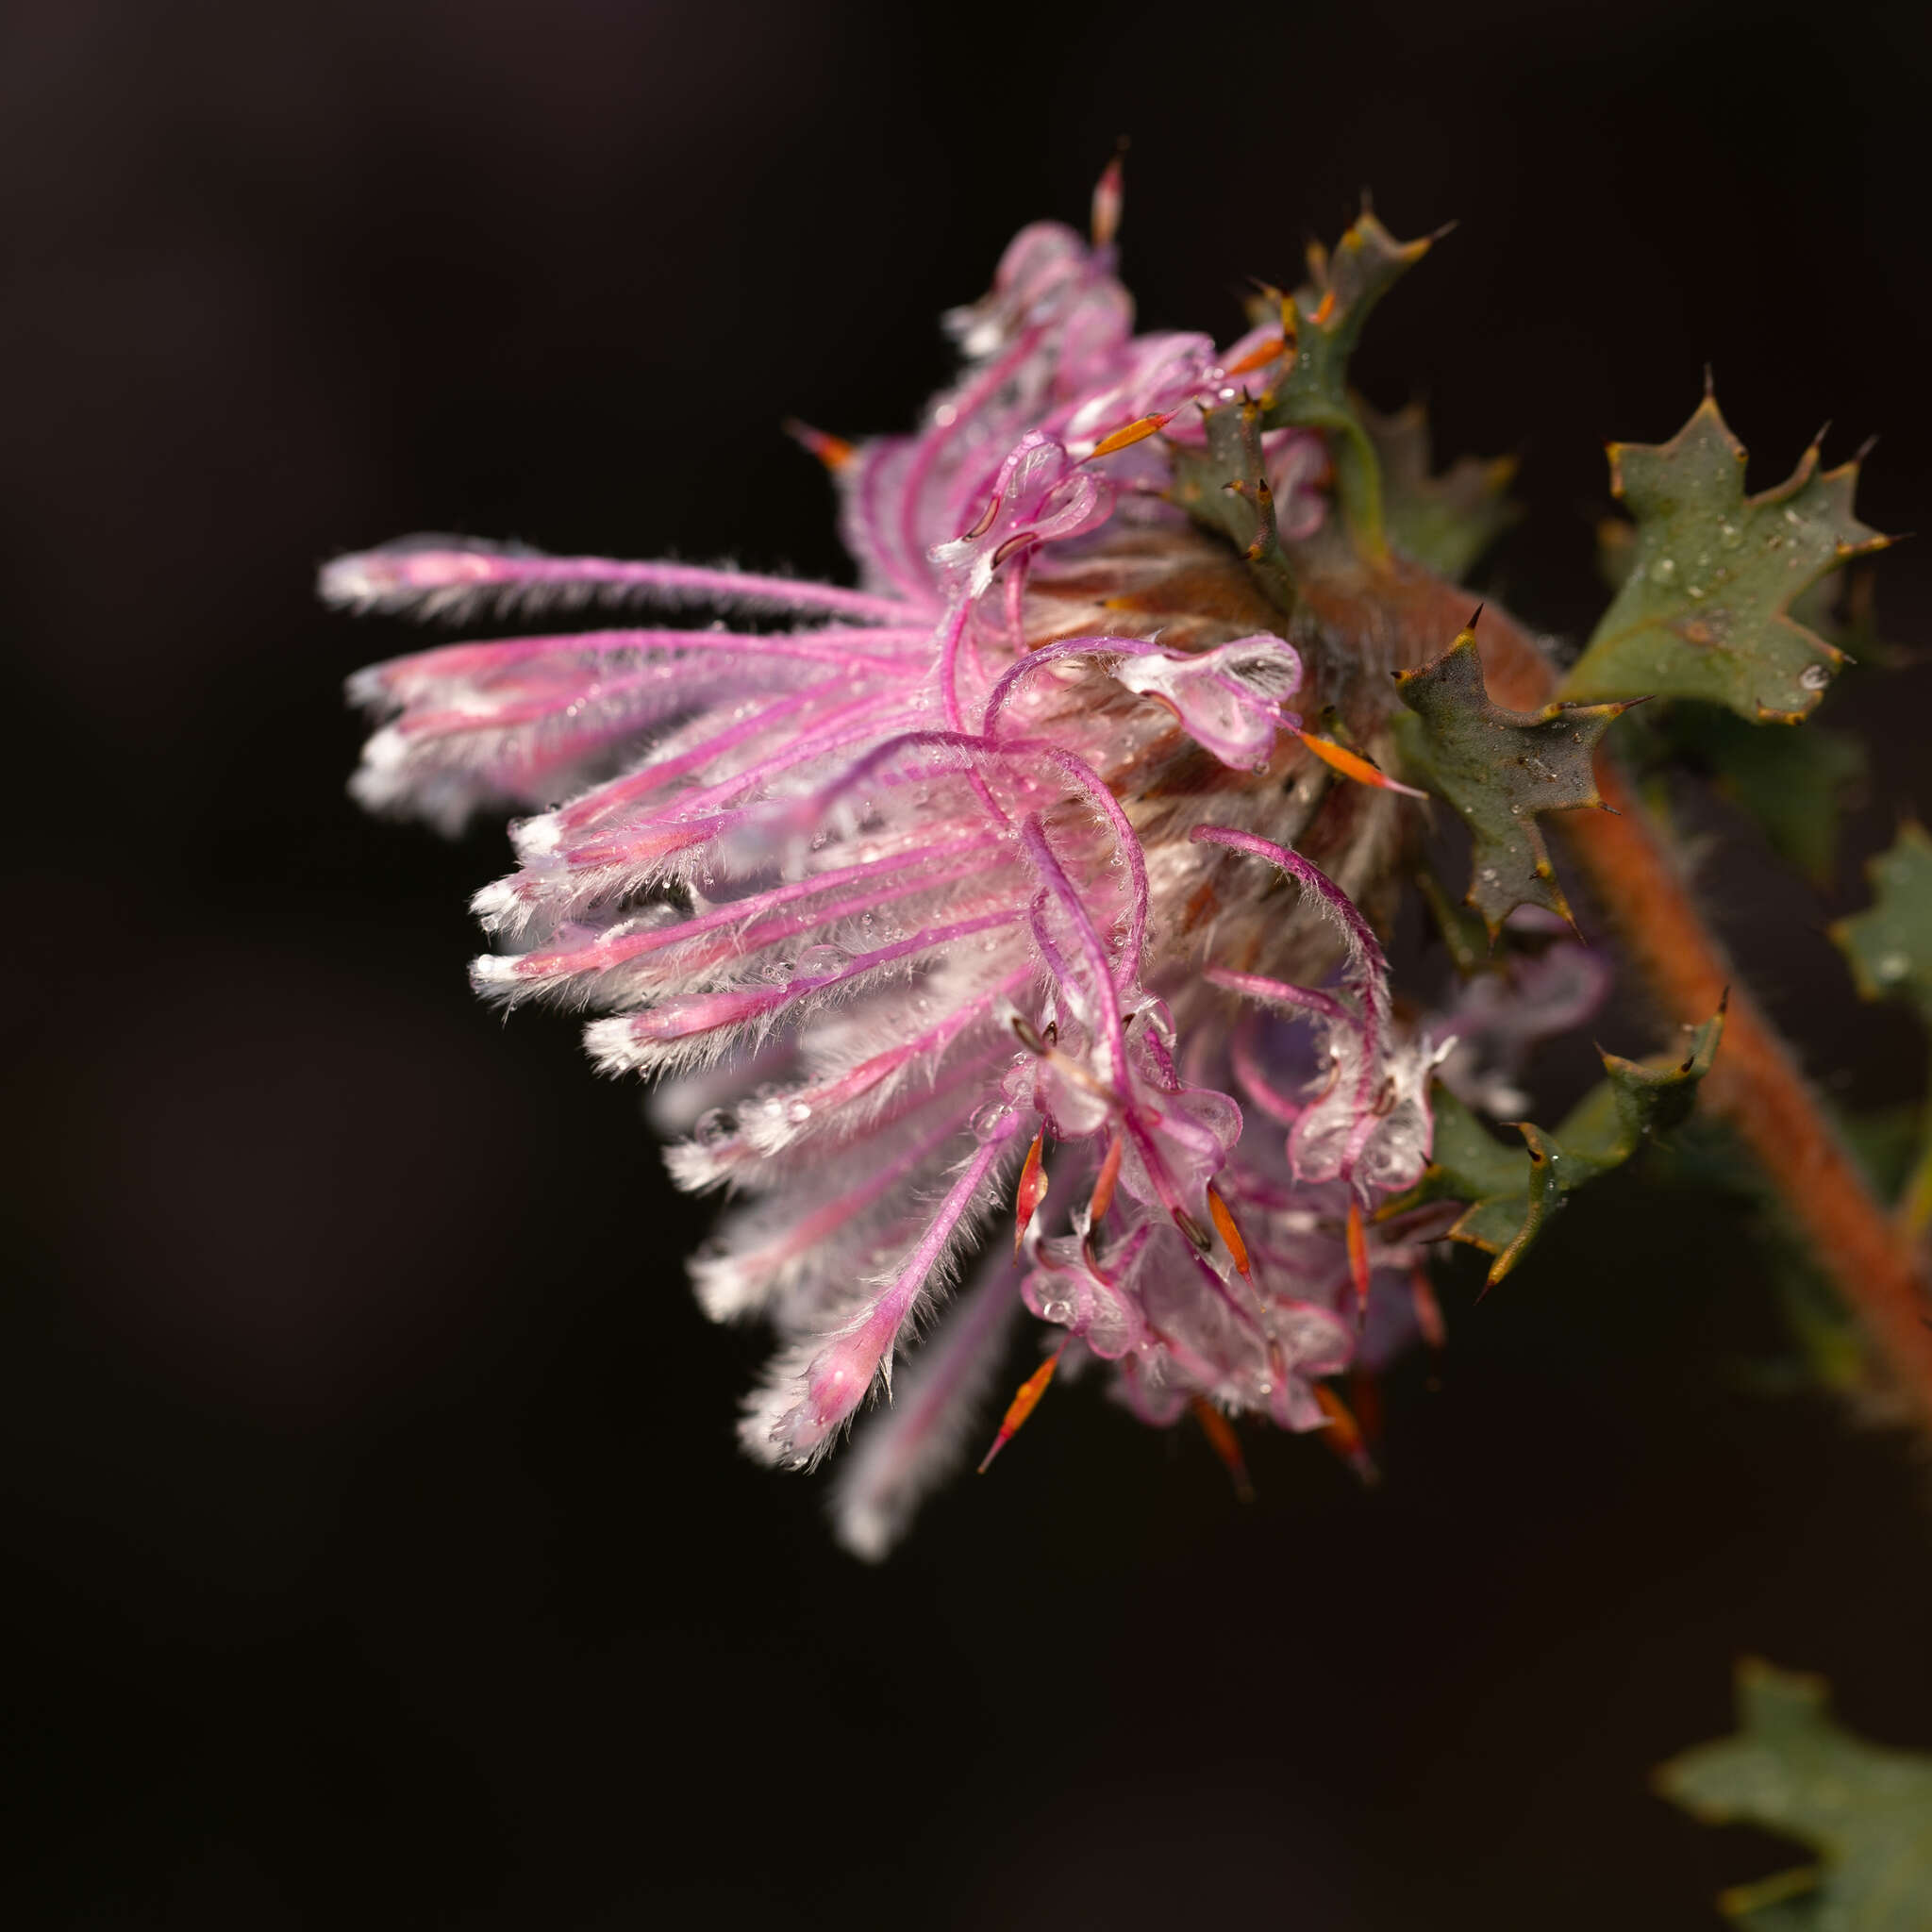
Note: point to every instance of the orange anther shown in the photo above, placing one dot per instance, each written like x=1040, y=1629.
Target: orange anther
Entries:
x=1107, y=197
x=1344, y=1433
x=1358, y=1257
x=1428, y=1310
x=1110, y=1173
x=1031, y=1190
x=1353, y=765
x=1022, y=1406
x=1231, y=1234
x=832, y=450
x=1132, y=433
x=1259, y=358
x=1225, y=1445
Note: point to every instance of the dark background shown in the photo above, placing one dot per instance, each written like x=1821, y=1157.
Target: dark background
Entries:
x=373, y=1545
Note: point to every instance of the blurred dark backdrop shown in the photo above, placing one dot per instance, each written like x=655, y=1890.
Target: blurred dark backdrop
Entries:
x=374, y=1547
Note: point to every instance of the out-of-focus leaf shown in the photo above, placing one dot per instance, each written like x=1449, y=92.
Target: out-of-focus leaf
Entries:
x=1793, y=783
x=1499, y=768
x=1463, y=933
x=1792, y=1768
x=1889, y=944
x=1512, y=1192
x=1705, y=609
x=1445, y=522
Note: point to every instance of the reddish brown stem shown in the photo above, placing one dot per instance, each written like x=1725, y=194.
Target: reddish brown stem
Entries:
x=1756, y=1084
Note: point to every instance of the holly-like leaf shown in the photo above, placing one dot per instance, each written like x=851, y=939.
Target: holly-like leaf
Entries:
x=1225, y=487
x=1705, y=609
x=1445, y=522
x=1326, y=318
x=1865, y=1809
x=1793, y=783
x=1499, y=768
x=1890, y=945
x=1513, y=1191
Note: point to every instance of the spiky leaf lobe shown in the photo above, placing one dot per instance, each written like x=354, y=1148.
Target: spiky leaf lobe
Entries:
x=1499, y=768
x=1512, y=1192
x=1325, y=316
x=1889, y=944
x=1446, y=521
x=1792, y=1768
x=1704, y=610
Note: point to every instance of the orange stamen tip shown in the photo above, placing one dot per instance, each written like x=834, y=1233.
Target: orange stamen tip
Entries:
x=1107, y=197
x=1225, y=1445
x=1324, y=310
x=1344, y=1433
x=1022, y=1406
x=1230, y=1233
x=832, y=450
x=1359, y=1257
x=1031, y=1190
x=1104, y=1185
x=1131, y=433
x=1353, y=765
x=1428, y=1310
x=1260, y=356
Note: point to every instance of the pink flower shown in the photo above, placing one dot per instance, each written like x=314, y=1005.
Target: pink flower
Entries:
x=1001, y=851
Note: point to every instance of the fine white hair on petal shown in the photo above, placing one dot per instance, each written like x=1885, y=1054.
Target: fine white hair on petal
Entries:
x=905, y=1449
x=813, y=1388
x=887, y=881
x=459, y=577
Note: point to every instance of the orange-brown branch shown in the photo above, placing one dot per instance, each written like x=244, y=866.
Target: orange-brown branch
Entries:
x=1756, y=1083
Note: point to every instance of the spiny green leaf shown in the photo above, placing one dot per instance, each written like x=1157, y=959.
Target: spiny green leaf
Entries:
x=1326, y=317
x=1499, y=768
x=1890, y=945
x=1704, y=610
x=1225, y=487
x=1512, y=1192
x=1867, y=1811
x=1445, y=522
x=1793, y=783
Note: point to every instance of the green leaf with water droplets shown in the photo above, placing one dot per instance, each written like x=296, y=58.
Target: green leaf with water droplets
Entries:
x=1704, y=610
x=1499, y=768
x=1889, y=944
x=1512, y=1192
x=1865, y=1809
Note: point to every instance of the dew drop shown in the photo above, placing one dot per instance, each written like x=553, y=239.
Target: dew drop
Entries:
x=823, y=962
x=715, y=1128
x=988, y=1120
x=1814, y=677
x=797, y=1112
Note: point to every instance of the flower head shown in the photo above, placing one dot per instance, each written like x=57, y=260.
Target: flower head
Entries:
x=1003, y=885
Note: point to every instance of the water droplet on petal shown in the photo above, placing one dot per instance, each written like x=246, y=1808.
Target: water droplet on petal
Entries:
x=823, y=962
